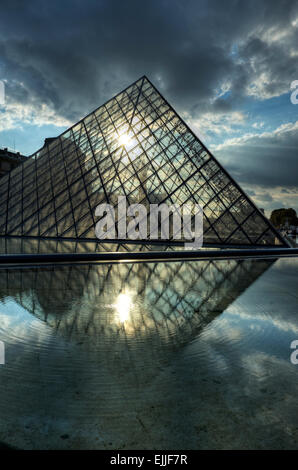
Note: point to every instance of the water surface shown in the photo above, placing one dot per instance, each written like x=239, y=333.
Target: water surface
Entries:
x=176, y=355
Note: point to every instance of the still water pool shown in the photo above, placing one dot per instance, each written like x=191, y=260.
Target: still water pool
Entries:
x=176, y=355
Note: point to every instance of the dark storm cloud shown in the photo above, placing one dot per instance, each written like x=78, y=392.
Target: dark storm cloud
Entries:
x=268, y=159
x=73, y=55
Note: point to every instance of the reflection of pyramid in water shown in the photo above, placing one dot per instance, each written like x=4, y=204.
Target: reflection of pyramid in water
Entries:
x=152, y=302
x=136, y=146
x=93, y=363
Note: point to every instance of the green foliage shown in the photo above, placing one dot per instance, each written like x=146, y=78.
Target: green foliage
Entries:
x=280, y=217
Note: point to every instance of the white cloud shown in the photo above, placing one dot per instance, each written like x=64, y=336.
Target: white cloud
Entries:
x=256, y=139
x=219, y=124
x=15, y=115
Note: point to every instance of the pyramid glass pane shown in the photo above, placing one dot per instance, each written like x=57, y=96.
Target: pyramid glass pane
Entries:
x=136, y=146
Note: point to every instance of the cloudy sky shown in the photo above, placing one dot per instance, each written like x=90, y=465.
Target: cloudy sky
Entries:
x=226, y=66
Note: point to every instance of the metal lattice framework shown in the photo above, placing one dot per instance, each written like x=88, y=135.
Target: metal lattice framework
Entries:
x=136, y=146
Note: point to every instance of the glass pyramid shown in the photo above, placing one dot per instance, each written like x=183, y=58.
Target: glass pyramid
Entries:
x=136, y=146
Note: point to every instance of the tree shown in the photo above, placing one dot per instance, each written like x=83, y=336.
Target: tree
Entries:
x=280, y=217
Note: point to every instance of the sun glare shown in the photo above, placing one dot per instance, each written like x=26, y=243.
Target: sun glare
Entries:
x=124, y=139
x=123, y=306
